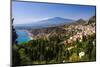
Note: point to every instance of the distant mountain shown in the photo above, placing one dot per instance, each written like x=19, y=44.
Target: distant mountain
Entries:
x=80, y=21
x=51, y=22
x=55, y=20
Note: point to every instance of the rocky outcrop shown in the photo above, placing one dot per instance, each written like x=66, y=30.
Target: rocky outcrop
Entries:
x=15, y=55
x=92, y=20
x=14, y=35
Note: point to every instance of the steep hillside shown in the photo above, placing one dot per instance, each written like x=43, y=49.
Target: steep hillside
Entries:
x=92, y=20
x=60, y=44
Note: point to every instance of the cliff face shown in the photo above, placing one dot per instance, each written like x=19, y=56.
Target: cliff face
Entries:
x=15, y=55
x=14, y=35
x=92, y=20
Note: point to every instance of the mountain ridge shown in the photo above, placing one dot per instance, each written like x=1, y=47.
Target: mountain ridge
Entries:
x=55, y=21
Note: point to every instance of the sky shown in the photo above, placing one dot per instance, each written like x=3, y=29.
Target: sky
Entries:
x=28, y=12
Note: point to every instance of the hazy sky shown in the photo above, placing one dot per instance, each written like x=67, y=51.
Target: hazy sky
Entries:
x=28, y=12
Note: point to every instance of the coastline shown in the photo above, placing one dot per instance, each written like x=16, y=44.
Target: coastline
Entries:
x=23, y=36
x=29, y=34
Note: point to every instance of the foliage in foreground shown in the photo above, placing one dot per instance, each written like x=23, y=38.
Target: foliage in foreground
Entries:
x=42, y=51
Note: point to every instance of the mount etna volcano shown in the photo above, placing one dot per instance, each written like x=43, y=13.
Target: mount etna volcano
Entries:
x=51, y=22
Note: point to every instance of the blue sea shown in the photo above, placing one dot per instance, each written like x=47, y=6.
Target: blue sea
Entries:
x=22, y=36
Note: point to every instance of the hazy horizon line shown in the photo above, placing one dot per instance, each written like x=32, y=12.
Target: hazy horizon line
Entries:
x=49, y=18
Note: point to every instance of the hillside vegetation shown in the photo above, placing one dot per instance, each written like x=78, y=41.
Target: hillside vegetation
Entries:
x=74, y=42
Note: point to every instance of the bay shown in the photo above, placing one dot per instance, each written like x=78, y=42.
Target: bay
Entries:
x=22, y=36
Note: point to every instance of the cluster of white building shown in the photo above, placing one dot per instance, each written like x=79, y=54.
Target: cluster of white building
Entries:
x=85, y=30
